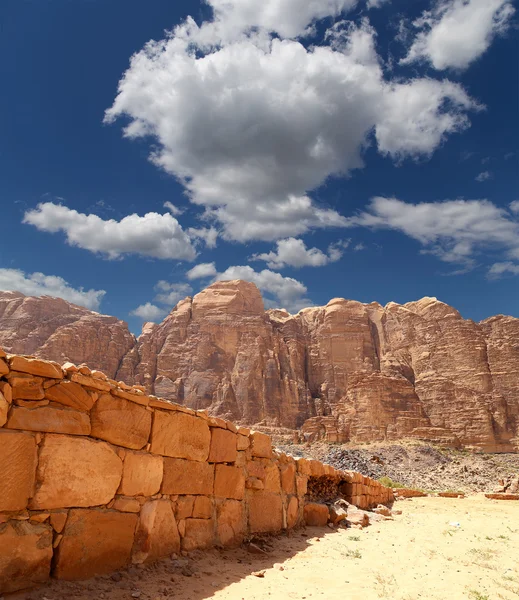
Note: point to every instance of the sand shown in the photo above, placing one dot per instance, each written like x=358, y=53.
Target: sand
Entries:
x=438, y=548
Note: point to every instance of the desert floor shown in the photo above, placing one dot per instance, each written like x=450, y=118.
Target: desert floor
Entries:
x=438, y=548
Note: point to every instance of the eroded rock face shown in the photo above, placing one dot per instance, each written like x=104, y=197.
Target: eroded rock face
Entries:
x=346, y=371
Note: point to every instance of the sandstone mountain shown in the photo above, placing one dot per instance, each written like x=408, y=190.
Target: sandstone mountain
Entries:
x=343, y=372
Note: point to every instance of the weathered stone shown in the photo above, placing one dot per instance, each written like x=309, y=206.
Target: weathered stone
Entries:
x=142, y=474
x=230, y=522
x=253, y=483
x=265, y=512
x=357, y=517
x=4, y=367
x=120, y=422
x=229, y=482
x=179, y=435
x=199, y=533
x=288, y=478
x=91, y=382
x=34, y=366
x=272, y=480
x=203, y=508
x=58, y=520
x=124, y=504
x=301, y=485
x=7, y=391
x=95, y=542
x=292, y=512
x=409, y=493
x=157, y=533
x=70, y=394
x=4, y=409
x=25, y=555
x=242, y=442
x=184, y=508
x=18, y=461
x=256, y=468
x=338, y=512
x=223, y=446
x=316, y=514
x=53, y=418
x=74, y=471
x=261, y=444
x=26, y=387
x=187, y=477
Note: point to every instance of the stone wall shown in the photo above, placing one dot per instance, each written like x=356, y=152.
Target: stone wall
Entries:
x=96, y=474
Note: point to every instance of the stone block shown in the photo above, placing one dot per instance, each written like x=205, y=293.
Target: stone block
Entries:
x=203, y=508
x=229, y=482
x=91, y=382
x=180, y=435
x=142, y=474
x=272, y=481
x=18, y=459
x=58, y=520
x=255, y=468
x=4, y=367
x=157, y=533
x=70, y=394
x=301, y=484
x=261, y=445
x=95, y=542
x=26, y=387
x=125, y=504
x=199, y=533
x=230, y=523
x=242, y=442
x=25, y=555
x=223, y=446
x=288, y=478
x=184, y=508
x=53, y=418
x=253, y=483
x=121, y=422
x=36, y=366
x=4, y=410
x=265, y=512
x=292, y=512
x=74, y=471
x=316, y=514
x=187, y=477
x=7, y=391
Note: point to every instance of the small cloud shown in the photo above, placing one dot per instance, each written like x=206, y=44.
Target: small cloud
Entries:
x=202, y=270
x=208, y=234
x=484, y=176
x=497, y=270
x=466, y=155
x=174, y=210
x=485, y=160
x=509, y=155
x=359, y=247
x=172, y=293
x=148, y=312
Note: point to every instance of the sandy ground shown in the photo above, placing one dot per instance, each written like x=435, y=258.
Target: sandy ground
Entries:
x=437, y=549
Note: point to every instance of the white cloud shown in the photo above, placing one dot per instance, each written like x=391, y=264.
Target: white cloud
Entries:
x=293, y=252
x=484, y=176
x=174, y=210
x=454, y=230
x=358, y=247
x=457, y=32
x=155, y=235
x=172, y=293
x=208, y=234
x=251, y=123
x=499, y=269
x=38, y=284
x=148, y=312
x=376, y=3
x=288, y=293
x=202, y=270
x=514, y=206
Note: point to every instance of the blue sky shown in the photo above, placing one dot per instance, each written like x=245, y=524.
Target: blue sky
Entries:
x=347, y=148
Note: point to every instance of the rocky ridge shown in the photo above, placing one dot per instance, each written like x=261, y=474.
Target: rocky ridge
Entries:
x=343, y=372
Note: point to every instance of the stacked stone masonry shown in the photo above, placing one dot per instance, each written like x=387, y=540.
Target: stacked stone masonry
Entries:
x=97, y=475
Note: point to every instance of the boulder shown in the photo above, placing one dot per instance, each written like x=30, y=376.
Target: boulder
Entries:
x=292, y=512
x=18, y=460
x=53, y=418
x=142, y=474
x=70, y=394
x=157, y=533
x=315, y=514
x=230, y=522
x=33, y=366
x=265, y=512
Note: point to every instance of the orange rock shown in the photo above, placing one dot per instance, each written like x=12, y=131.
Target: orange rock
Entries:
x=34, y=366
x=75, y=471
x=91, y=382
x=18, y=461
x=4, y=367
x=7, y=391
x=315, y=514
x=53, y=418
x=292, y=512
x=95, y=542
x=223, y=445
x=131, y=396
x=142, y=474
x=265, y=512
x=179, y=435
x=185, y=507
x=199, y=533
x=229, y=482
x=123, y=504
x=187, y=477
x=4, y=409
x=25, y=555
x=288, y=478
x=502, y=496
x=261, y=444
x=301, y=484
x=157, y=533
x=409, y=493
x=26, y=387
x=256, y=468
x=70, y=394
x=272, y=480
x=203, y=508
x=120, y=422
x=58, y=520
x=242, y=442
x=230, y=522
x=253, y=483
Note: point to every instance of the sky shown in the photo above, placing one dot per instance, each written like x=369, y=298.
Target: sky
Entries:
x=365, y=149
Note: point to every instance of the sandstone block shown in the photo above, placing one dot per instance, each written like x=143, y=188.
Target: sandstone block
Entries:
x=7, y=391
x=123, y=504
x=288, y=478
x=70, y=394
x=4, y=409
x=34, y=366
x=4, y=367
x=292, y=512
x=120, y=422
x=272, y=480
x=253, y=483
x=229, y=482
x=95, y=542
x=184, y=508
x=179, y=435
x=18, y=461
x=138, y=398
x=53, y=418
x=242, y=442
x=157, y=533
x=187, y=477
x=74, y=471
x=91, y=382
x=223, y=445
x=315, y=514
x=26, y=387
x=199, y=533
x=265, y=512
x=301, y=484
x=58, y=520
x=25, y=555
x=142, y=474
x=261, y=445
x=203, y=508
x=256, y=468
x=230, y=523
x=357, y=517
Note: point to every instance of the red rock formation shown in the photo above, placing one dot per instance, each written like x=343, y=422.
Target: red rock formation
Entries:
x=343, y=372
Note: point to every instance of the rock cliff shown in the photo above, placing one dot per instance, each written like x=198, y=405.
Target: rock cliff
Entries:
x=343, y=372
